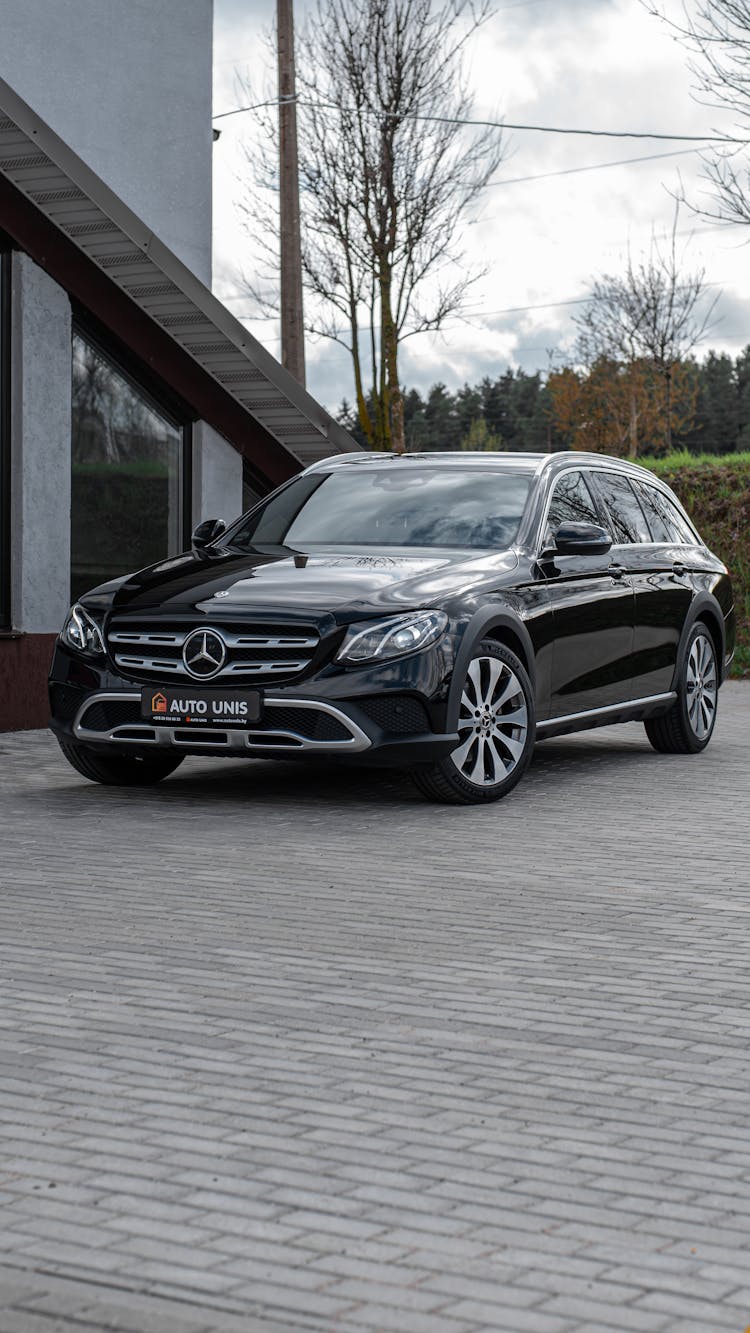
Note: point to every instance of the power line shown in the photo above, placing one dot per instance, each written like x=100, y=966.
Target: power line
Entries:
x=496, y=124
x=594, y=166
x=521, y=309
x=255, y=106
x=549, y=305
x=473, y=314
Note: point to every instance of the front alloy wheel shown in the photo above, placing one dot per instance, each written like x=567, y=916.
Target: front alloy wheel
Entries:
x=495, y=728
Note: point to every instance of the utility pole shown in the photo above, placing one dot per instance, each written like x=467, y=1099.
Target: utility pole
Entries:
x=292, y=324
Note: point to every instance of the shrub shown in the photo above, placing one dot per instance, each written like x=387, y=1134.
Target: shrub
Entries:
x=715, y=490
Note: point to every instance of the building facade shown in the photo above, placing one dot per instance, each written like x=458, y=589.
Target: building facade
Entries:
x=132, y=403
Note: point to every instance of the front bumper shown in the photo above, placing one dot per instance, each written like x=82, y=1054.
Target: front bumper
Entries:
x=393, y=725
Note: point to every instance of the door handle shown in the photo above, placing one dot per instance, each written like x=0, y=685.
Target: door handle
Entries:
x=679, y=569
x=616, y=571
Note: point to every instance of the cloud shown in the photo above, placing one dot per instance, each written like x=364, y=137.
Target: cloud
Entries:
x=601, y=64
x=730, y=323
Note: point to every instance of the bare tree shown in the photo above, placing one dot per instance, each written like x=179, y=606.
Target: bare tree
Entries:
x=717, y=32
x=653, y=315
x=387, y=172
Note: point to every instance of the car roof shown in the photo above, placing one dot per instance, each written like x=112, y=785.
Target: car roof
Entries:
x=515, y=462
x=374, y=459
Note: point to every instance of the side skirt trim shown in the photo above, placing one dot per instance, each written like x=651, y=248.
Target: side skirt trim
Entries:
x=626, y=706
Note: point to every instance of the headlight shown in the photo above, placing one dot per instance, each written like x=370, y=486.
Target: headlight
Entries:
x=82, y=633
x=382, y=639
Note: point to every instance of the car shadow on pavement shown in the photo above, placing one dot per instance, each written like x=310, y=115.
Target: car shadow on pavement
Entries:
x=276, y=782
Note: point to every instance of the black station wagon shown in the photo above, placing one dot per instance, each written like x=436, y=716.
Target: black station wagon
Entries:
x=429, y=612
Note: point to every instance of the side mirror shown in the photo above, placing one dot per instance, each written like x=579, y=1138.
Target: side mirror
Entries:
x=207, y=532
x=581, y=539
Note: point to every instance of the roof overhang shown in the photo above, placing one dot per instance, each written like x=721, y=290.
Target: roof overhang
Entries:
x=62, y=214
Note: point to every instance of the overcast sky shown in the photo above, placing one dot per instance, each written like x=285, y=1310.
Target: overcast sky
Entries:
x=598, y=64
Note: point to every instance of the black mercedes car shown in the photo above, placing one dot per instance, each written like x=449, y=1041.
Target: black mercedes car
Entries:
x=430, y=612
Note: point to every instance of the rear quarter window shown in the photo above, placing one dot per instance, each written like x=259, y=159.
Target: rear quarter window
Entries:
x=664, y=518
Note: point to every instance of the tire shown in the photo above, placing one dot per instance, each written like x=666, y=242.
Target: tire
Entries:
x=689, y=724
x=496, y=728
x=119, y=770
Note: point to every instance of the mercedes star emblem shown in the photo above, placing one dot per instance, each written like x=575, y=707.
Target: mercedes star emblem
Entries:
x=204, y=653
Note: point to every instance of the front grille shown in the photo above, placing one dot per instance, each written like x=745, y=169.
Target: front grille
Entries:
x=311, y=723
x=398, y=713
x=256, y=653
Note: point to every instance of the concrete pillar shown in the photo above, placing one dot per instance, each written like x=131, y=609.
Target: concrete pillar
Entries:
x=217, y=476
x=40, y=393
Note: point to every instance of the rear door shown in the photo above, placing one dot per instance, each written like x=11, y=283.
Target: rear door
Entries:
x=670, y=560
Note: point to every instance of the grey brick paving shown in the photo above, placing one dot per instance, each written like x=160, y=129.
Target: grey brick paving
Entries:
x=285, y=1048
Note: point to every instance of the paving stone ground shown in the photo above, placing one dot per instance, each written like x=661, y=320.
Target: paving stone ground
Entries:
x=286, y=1048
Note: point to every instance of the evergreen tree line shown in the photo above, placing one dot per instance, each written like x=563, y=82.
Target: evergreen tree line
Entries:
x=517, y=412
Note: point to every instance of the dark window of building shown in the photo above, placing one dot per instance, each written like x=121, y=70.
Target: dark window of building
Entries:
x=571, y=502
x=665, y=521
x=5, y=610
x=625, y=517
x=128, y=505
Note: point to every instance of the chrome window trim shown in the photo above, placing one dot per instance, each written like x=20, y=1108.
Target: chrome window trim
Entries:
x=239, y=740
x=624, y=469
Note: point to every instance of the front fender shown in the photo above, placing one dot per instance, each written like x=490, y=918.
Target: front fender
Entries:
x=485, y=624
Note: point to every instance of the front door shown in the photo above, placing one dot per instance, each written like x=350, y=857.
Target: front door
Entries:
x=592, y=604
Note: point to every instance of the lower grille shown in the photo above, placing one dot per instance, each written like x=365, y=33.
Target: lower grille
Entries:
x=316, y=726
x=110, y=713
x=65, y=702
x=400, y=714
x=311, y=723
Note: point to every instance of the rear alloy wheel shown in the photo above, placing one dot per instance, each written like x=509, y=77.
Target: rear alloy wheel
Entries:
x=687, y=727
x=119, y=770
x=495, y=728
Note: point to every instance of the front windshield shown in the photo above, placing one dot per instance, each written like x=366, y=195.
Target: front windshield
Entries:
x=400, y=506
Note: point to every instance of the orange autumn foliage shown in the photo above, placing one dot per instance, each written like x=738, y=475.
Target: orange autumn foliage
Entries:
x=621, y=408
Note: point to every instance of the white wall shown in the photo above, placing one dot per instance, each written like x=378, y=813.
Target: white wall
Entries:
x=127, y=84
x=40, y=396
x=217, y=476
x=40, y=435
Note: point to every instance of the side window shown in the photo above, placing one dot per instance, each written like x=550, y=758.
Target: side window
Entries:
x=665, y=520
x=624, y=514
x=571, y=502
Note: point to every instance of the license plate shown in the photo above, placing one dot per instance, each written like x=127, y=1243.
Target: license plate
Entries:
x=183, y=706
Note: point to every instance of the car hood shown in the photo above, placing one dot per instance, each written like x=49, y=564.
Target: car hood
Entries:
x=223, y=583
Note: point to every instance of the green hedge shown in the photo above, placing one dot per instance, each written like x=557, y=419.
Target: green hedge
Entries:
x=715, y=490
